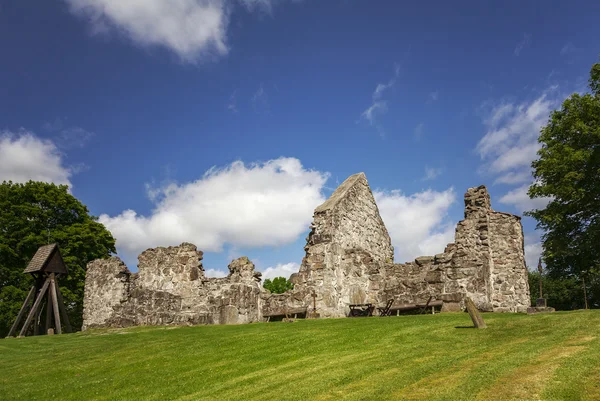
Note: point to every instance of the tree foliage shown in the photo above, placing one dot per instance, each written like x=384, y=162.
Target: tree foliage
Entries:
x=35, y=214
x=560, y=293
x=568, y=171
x=278, y=285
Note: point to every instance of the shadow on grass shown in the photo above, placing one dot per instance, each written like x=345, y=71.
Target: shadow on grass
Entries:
x=464, y=327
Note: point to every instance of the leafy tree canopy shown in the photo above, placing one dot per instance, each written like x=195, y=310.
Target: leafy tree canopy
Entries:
x=278, y=285
x=568, y=171
x=35, y=214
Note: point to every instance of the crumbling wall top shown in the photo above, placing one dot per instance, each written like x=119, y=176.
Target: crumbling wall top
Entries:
x=340, y=192
x=477, y=202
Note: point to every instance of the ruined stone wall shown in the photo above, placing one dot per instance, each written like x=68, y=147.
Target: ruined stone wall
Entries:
x=106, y=287
x=347, y=244
x=345, y=264
x=348, y=260
x=508, y=272
x=170, y=288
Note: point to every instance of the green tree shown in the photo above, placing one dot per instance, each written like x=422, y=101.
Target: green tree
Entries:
x=568, y=172
x=560, y=293
x=35, y=214
x=278, y=285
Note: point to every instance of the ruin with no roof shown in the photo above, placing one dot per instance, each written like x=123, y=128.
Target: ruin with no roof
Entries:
x=349, y=260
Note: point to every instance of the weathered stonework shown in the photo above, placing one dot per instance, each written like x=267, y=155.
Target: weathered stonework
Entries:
x=349, y=260
x=170, y=288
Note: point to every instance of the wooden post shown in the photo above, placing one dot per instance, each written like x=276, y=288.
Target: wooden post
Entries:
x=13, y=328
x=475, y=315
x=541, y=271
x=63, y=310
x=57, y=327
x=35, y=307
x=37, y=324
x=584, y=293
x=48, y=314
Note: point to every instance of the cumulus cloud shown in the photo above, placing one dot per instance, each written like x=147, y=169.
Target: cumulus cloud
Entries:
x=263, y=204
x=195, y=30
x=215, y=273
x=280, y=270
x=24, y=157
x=418, y=224
x=520, y=200
x=533, y=251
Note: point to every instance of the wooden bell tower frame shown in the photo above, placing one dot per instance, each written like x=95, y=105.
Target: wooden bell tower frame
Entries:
x=46, y=266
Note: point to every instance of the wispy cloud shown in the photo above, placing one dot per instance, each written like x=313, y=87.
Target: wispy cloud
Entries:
x=377, y=108
x=418, y=131
x=525, y=42
x=378, y=104
x=232, y=105
x=511, y=144
x=260, y=100
x=432, y=173
x=433, y=96
x=67, y=137
x=567, y=49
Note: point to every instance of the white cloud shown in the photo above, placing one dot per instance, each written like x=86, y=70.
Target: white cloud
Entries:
x=233, y=102
x=418, y=132
x=519, y=199
x=567, y=49
x=514, y=178
x=260, y=100
x=379, y=106
x=533, y=251
x=525, y=42
x=195, y=30
x=280, y=270
x=431, y=173
x=25, y=157
x=511, y=144
x=265, y=204
x=418, y=223
x=215, y=273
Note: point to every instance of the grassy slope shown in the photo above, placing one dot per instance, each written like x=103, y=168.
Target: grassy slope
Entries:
x=552, y=356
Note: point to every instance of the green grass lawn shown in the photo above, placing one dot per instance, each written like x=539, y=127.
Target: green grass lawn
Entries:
x=428, y=357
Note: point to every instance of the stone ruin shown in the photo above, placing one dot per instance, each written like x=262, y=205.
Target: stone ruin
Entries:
x=349, y=260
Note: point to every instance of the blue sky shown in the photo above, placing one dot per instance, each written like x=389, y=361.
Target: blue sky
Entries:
x=224, y=123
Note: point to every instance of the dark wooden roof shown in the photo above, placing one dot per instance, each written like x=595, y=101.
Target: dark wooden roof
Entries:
x=47, y=259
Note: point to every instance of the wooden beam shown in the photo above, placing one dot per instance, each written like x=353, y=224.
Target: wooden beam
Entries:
x=48, y=314
x=57, y=328
x=29, y=298
x=36, y=306
x=63, y=310
x=38, y=322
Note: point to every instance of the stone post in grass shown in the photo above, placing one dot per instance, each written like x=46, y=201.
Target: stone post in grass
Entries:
x=475, y=315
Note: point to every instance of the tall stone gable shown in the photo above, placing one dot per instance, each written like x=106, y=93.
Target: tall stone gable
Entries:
x=347, y=235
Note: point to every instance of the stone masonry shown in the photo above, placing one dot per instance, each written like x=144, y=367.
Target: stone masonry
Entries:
x=169, y=288
x=348, y=260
